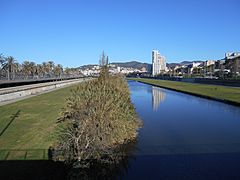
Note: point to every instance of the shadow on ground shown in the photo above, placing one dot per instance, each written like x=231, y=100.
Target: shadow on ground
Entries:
x=171, y=167
x=32, y=169
x=47, y=169
x=12, y=118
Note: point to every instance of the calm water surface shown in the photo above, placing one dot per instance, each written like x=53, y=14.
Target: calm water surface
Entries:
x=184, y=137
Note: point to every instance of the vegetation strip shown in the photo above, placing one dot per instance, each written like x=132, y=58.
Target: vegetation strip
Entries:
x=35, y=127
x=230, y=95
x=98, y=121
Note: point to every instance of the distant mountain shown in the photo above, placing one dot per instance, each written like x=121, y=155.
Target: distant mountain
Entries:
x=139, y=65
x=89, y=66
x=133, y=64
x=170, y=65
x=190, y=62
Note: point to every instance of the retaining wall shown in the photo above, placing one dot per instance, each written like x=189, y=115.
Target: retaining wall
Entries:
x=8, y=94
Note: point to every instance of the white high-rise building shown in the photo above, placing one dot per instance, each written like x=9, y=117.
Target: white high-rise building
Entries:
x=158, y=63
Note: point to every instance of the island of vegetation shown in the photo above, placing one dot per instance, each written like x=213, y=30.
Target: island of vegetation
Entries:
x=97, y=120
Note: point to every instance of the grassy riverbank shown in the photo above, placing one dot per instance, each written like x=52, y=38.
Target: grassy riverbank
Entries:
x=28, y=127
x=222, y=93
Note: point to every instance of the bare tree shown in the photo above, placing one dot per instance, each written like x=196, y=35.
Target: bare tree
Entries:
x=103, y=61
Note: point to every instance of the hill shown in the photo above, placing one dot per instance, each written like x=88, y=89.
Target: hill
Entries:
x=133, y=64
x=139, y=65
x=171, y=65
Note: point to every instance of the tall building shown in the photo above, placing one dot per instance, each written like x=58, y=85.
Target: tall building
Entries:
x=158, y=63
x=232, y=62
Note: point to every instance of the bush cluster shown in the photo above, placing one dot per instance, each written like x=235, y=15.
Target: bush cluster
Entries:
x=98, y=118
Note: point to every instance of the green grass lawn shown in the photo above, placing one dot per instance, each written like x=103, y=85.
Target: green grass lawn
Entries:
x=230, y=94
x=34, y=129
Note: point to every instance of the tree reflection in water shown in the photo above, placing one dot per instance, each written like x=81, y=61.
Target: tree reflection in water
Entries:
x=99, y=170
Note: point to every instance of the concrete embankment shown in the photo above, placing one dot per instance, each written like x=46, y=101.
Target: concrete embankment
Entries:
x=8, y=95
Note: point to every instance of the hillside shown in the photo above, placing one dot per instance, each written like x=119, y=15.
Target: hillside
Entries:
x=171, y=65
x=133, y=64
x=139, y=65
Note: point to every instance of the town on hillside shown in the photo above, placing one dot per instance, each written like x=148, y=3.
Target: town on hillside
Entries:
x=227, y=67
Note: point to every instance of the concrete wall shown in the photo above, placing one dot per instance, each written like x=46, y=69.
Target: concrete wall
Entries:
x=8, y=94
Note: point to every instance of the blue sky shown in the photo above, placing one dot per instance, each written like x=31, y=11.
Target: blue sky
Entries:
x=74, y=32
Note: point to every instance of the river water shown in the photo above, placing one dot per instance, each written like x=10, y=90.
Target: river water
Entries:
x=184, y=137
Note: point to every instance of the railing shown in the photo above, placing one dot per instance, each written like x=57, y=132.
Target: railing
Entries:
x=21, y=77
x=18, y=82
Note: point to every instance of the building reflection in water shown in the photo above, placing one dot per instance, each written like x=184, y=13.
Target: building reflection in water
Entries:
x=158, y=96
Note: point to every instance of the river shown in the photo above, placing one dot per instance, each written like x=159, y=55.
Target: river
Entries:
x=184, y=137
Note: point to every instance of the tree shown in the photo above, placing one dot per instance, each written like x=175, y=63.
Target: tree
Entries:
x=50, y=66
x=17, y=69
x=10, y=66
x=103, y=61
x=2, y=60
x=39, y=70
x=44, y=68
x=27, y=68
x=67, y=70
x=98, y=118
x=2, y=65
x=33, y=68
x=57, y=70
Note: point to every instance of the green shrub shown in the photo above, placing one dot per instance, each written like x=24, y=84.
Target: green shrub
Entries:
x=98, y=118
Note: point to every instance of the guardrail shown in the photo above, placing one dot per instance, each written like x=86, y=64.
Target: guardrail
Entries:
x=19, y=82
x=14, y=77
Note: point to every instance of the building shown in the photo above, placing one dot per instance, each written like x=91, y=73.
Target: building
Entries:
x=232, y=54
x=209, y=68
x=232, y=62
x=158, y=63
x=118, y=69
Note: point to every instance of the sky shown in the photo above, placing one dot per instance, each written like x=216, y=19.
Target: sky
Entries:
x=75, y=32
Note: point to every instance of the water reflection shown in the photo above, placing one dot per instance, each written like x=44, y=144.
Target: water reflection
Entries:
x=186, y=137
x=116, y=170
x=184, y=124
x=158, y=96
